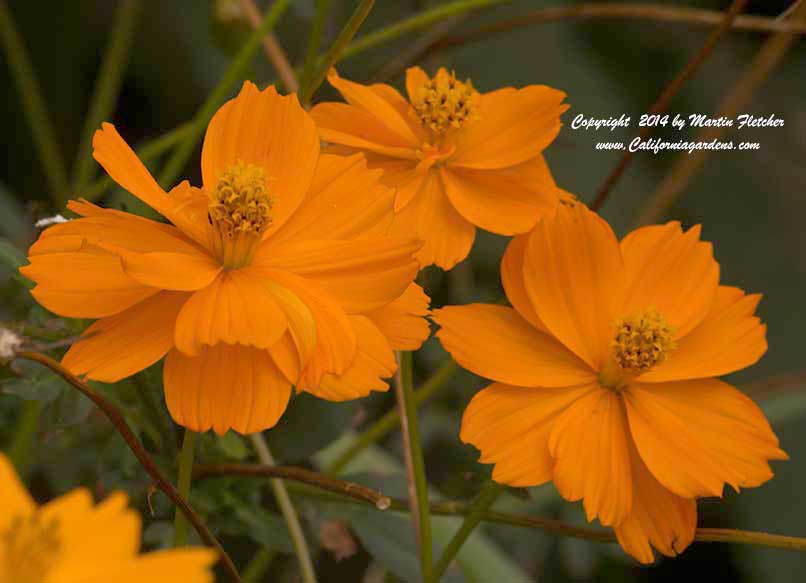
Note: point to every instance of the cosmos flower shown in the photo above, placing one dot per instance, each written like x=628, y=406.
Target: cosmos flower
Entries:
x=604, y=376
x=459, y=159
x=277, y=272
x=70, y=540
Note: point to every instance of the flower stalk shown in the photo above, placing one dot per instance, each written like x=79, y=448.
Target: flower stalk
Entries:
x=186, y=457
x=288, y=511
x=486, y=498
x=337, y=49
x=386, y=424
x=415, y=466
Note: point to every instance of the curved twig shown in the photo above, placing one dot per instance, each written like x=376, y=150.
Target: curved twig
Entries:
x=619, y=11
x=118, y=420
x=351, y=489
x=320, y=486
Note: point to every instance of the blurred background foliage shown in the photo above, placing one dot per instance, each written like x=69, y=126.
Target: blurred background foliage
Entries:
x=752, y=205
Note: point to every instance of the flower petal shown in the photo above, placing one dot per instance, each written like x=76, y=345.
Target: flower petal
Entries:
x=511, y=426
x=86, y=284
x=189, y=565
x=17, y=502
x=265, y=129
x=695, y=436
x=236, y=308
x=146, y=330
x=92, y=538
x=125, y=168
x=590, y=446
x=512, y=278
x=496, y=343
x=362, y=275
x=402, y=321
x=513, y=126
x=374, y=361
x=573, y=275
x=225, y=387
x=346, y=201
x=658, y=517
x=415, y=79
x=335, y=337
x=729, y=338
x=287, y=357
x=670, y=271
x=501, y=201
x=341, y=123
x=170, y=270
x=117, y=229
x=447, y=237
x=367, y=99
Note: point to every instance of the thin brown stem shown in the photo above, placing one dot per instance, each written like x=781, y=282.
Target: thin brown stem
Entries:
x=319, y=486
x=117, y=419
x=661, y=105
x=405, y=431
x=321, y=481
x=619, y=11
x=766, y=60
x=776, y=384
x=274, y=51
x=418, y=50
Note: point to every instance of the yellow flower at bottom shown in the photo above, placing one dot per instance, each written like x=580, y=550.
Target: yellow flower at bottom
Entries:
x=603, y=373
x=70, y=540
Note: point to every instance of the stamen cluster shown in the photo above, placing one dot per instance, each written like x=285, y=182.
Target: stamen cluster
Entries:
x=444, y=103
x=241, y=201
x=642, y=341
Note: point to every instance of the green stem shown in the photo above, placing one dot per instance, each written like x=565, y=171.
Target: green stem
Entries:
x=257, y=565
x=24, y=434
x=386, y=424
x=418, y=485
x=107, y=86
x=175, y=164
x=34, y=107
x=335, y=51
x=315, y=41
x=183, y=485
x=480, y=506
x=288, y=512
x=416, y=22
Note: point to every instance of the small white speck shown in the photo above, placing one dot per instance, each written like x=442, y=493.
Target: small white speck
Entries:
x=10, y=343
x=47, y=221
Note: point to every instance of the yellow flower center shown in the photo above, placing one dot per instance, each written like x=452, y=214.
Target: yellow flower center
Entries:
x=444, y=103
x=642, y=340
x=240, y=211
x=30, y=548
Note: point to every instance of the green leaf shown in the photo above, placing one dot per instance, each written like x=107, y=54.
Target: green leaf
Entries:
x=36, y=383
x=10, y=256
x=265, y=528
x=232, y=445
x=14, y=224
x=309, y=425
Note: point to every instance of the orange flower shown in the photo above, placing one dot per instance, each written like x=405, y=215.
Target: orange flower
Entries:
x=458, y=159
x=603, y=375
x=276, y=272
x=68, y=540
